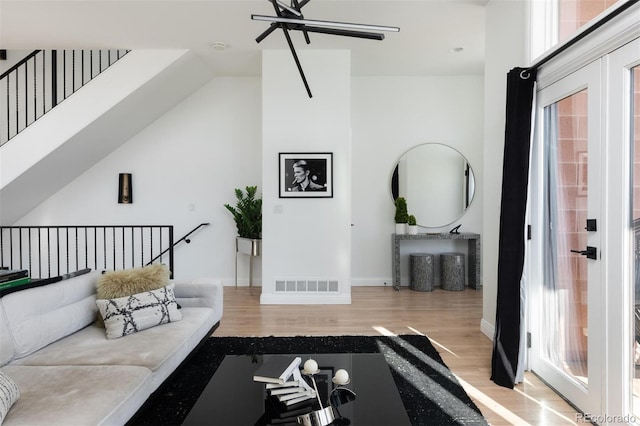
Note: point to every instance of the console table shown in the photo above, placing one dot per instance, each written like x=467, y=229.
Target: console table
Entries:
x=473, y=256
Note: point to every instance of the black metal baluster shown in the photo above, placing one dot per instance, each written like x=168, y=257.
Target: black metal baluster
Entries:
x=171, y=252
x=44, y=86
x=30, y=249
x=133, y=247
x=8, y=110
x=39, y=252
x=64, y=74
x=67, y=242
x=73, y=71
x=57, y=250
x=17, y=106
x=95, y=247
x=123, y=250
x=49, y=251
x=20, y=246
x=82, y=67
x=142, y=246
x=26, y=93
x=54, y=78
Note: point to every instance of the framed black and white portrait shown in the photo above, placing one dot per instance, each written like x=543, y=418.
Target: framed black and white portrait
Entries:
x=306, y=175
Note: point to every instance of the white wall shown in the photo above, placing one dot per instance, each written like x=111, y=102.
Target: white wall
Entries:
x=209, y=144
x=185, y=166
x=389, y=116
x=505, y=49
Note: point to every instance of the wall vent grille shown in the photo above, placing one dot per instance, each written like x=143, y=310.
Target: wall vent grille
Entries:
x=307, y=285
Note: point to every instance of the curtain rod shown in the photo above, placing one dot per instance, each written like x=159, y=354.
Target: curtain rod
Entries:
x=614, y=13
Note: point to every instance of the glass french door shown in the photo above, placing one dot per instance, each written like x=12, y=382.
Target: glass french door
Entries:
x=584, y=306
x=568, y=301
x=624, y=101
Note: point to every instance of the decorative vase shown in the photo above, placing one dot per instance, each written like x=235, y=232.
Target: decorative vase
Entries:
x=412, y=229
x=401, y=228
x=249, y=246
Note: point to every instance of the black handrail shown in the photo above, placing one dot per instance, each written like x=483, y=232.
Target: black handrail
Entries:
x=19, y=63
x=44, y=78
x=185, y=239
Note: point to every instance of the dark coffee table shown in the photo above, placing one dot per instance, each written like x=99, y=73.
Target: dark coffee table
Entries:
x=233, y=398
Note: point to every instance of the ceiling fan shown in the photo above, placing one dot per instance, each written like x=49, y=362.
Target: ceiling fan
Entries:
x=289, y=17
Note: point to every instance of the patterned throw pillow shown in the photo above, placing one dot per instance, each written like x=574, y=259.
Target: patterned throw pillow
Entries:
x=130, y=314
x=9, y=394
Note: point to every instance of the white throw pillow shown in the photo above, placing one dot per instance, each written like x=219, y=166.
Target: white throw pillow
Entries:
x=129, y=314
x=9, y=394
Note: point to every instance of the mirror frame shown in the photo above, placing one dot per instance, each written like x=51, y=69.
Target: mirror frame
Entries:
x=470, y=177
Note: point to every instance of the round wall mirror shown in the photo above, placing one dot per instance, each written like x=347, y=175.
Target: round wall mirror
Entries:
x=437, y=182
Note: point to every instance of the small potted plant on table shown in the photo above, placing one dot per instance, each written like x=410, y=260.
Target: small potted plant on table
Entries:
x=412, y=225
x=401, y=217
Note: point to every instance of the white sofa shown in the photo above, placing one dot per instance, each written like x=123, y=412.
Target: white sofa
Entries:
x=69, y=373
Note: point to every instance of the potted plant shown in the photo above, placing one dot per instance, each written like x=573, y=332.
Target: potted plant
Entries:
x=412, y=225
x=248, y=217
x=401, y=217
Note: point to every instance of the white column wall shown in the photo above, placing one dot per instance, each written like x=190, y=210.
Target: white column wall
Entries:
x=306, y=238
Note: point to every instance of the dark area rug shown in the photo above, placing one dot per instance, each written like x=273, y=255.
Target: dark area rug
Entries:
x=429, y=391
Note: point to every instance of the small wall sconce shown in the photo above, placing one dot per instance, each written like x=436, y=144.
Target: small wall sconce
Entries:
x=125, y=189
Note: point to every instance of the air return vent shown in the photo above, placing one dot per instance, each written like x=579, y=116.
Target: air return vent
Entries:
x=307, y=285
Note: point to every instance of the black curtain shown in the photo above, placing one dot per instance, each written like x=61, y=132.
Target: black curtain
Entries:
x=515, y=171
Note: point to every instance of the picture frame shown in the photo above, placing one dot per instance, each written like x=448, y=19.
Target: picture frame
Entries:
x=305, y=175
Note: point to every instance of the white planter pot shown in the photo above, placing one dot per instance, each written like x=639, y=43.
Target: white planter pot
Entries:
x=401, y=228
x=249, y=246
x=412, y=229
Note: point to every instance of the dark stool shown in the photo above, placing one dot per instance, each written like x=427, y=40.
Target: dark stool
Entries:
x=452, y=271
x=421, y=271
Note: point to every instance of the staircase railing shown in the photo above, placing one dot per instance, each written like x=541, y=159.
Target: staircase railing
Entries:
x=43, y=79
x=185, y=238
x=49, y=251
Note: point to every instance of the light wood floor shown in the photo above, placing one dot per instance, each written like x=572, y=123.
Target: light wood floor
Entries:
x=450, y=319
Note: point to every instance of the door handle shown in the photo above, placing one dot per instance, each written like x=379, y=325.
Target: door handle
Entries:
x=590, y=252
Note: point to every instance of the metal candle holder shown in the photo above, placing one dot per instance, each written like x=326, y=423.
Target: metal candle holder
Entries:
x=325, y=415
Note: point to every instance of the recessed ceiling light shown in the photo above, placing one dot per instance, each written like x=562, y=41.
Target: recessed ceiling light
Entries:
x=218, y=45
x=456, y=49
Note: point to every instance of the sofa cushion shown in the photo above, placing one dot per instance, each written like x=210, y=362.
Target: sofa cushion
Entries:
x=114, y=284
x=130, y=314
x=39, y=316
x=77, y=395
x=150, y=348
x=9, y=394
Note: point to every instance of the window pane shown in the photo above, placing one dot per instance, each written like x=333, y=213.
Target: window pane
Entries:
x=573, y=14
x=565, y=309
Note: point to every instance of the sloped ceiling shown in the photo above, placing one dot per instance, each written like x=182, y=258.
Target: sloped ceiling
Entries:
x=430, y=30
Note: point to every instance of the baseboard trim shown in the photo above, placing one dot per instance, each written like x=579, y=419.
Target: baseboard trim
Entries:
x=487, y=329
